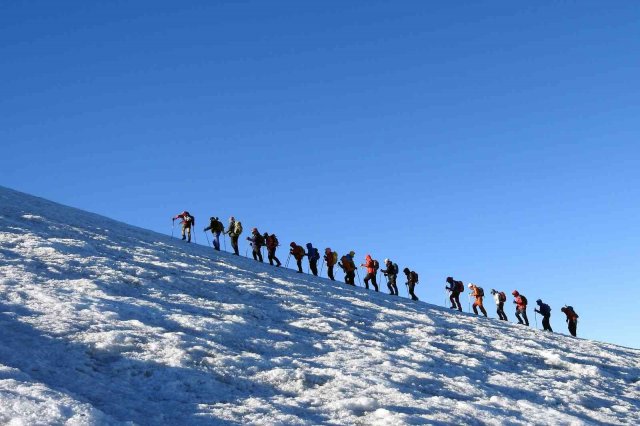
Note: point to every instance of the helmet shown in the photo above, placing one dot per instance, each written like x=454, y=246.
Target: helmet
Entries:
x=515, y=293
x=387, y=261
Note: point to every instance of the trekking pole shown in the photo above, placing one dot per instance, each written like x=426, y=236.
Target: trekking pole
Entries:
x=173, y=226
x=469, y=308
x=358, y=272
x=286, y=265
x=205, y=234
x=193, y=229
x=225, y=241
x=535, y=315
x=246, y=252
x=321, y=268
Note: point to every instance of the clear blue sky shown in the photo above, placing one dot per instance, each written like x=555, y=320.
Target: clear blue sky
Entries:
x=493, y=141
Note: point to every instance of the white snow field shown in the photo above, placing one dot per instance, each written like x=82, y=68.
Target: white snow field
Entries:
x=105, y=323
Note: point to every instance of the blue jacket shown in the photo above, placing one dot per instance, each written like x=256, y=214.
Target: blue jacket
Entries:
x=545, y=310
x=312, y=252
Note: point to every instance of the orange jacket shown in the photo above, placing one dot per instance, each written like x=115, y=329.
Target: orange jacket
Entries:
x=475, y=293
x=298, y=252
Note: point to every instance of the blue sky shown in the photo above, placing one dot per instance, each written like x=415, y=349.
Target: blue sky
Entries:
x=492, y=141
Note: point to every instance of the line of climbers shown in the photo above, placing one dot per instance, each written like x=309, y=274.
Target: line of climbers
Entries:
x=347, y=264
x=455, y=288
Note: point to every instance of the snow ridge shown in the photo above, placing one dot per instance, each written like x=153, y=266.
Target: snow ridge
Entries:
x=105, y=323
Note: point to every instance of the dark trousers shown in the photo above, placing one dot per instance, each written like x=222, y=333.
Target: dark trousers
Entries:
x=573, y=327
x=371, y=276
x=522, y=317
x=234, y=244
x=330, y=272
x=350, y=278
x=500, y=312
x=257, y=254
x=299, y=263
x=546, y=325
x=313, y=265
x=412, y=287
x=216, y=240
x=393, y=288
x=475, y=309
x=455, y=300
x=271, y=255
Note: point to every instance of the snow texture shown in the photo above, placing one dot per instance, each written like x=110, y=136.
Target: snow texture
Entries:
x=105, y=323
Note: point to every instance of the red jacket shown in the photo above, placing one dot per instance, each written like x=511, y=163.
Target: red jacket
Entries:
x=369, y=264
x=521, y=306
x=186, y=218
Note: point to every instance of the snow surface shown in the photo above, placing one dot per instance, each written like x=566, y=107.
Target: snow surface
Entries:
x=105, y=323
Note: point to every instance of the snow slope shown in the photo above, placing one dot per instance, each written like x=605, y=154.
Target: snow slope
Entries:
x=104, y=323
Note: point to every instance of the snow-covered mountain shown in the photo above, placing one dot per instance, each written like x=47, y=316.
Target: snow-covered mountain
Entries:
x=105, y=323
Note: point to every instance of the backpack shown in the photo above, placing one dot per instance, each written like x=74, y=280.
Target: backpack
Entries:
x=459, y=286
x=238, y=228
x=545, y=309
x=313, y=254
x=502, y=297
x=259, y=240
x=414, y=277
x=480, y=291
x=376, y=265
x=524, y=300
x=334, y=255
x=396, y=269
x=570, y=309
